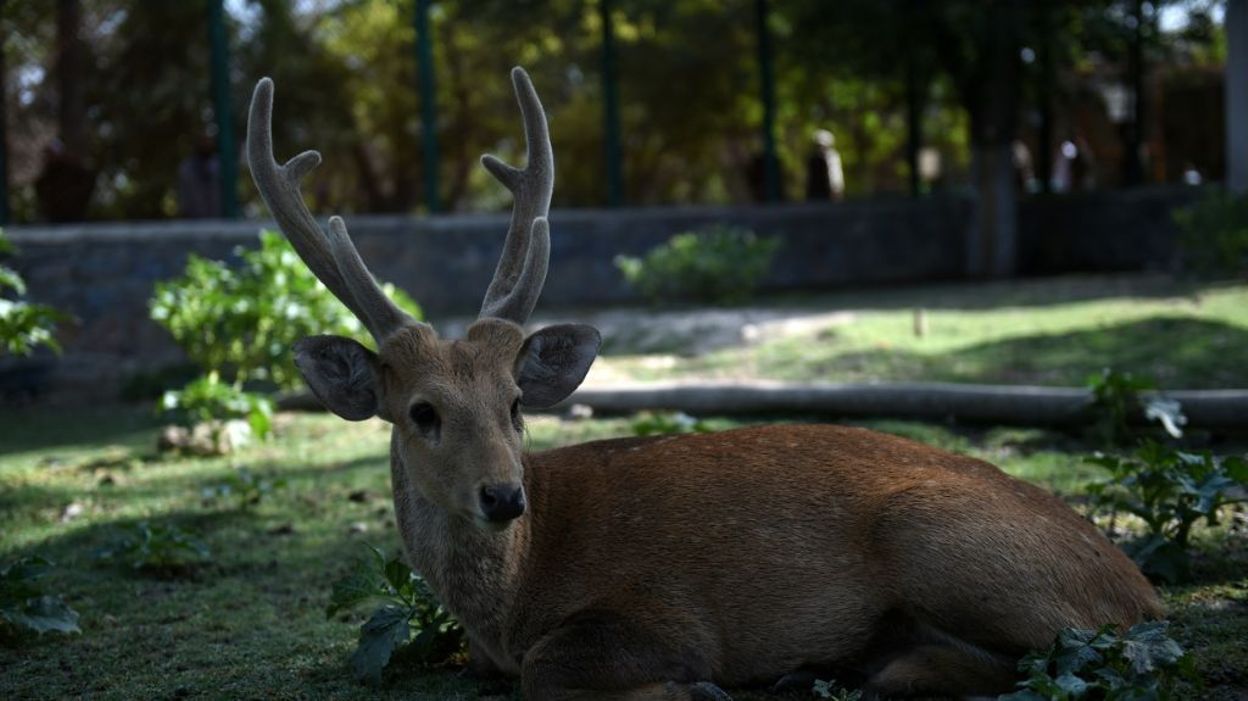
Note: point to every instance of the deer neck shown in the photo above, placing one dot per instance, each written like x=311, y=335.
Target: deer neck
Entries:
x=474, y=572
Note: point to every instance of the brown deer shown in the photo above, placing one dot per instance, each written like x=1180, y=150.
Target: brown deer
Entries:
x=659, y=568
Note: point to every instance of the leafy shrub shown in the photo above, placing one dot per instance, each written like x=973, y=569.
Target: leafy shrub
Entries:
x=655, y=423
x=722, y=265
x=1144, y=663
x=206, y=399
x=158, y=549
x=23, y=326
x=24, y=606
x=404, y=603
x=242, y=322
x=1213, y=234
x=829, y=689
x=1116, y=398
x=245, y=487
x=1170, y=491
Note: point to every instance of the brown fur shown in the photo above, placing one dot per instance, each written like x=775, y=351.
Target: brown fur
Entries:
x=643, y=566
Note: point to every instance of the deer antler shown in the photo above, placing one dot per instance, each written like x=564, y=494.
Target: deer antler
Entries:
x=333, y=258
x=521, y=270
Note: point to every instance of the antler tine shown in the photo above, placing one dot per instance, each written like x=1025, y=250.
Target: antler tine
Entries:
x=334, y=261
x=521, y=270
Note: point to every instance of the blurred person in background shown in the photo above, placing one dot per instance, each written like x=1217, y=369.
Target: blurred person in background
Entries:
x=825, y=180
x=199, y=195
x=64, y=186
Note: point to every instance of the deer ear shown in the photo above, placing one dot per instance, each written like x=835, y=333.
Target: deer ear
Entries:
x=342, y=374
x=553, y=362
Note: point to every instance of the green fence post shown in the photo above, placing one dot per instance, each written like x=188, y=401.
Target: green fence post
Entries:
x=227, y=156
x=611, y=110
x=428, y=104
x=771, y=171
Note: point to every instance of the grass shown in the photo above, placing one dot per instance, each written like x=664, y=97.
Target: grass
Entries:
x=1051, y=332
x=251, y=623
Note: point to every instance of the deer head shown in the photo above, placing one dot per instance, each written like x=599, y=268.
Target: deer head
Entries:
x=455, y=404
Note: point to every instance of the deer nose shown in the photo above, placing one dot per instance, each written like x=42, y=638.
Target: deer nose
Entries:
x=502, y=502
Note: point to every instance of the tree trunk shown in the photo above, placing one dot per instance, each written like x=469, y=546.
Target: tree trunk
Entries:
x=1237, y=95
x=992, y=94
x=993, y=249
x=70, y=64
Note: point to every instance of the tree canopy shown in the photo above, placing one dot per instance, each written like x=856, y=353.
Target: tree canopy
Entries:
x=688, y=86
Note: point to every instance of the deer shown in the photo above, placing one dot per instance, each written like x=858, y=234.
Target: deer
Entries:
x=673, y=567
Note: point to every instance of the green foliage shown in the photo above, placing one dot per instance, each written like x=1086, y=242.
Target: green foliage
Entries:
x=207, y=399
x=834, y=691
x=404, y=603
x=241, y=322
x=1170, y=491
x=24, y=606
x=161, y=549
x=23, y=326
x=721, y=265
x=1116, y=397
x=1213, y=234
x=1144, y=663
x=657, y=423
x=246, y=488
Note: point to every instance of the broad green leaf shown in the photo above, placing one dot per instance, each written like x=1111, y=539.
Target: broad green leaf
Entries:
x=11, y=280
x=380, y=636
x=361, y=586
x=1147, y=647
x=399, y=575
x=1236, y=468
x=1024, y=695
x=1071, y=685
x=1075, y=658
x=43, y=614
x=1162, y=559
x=25, y=569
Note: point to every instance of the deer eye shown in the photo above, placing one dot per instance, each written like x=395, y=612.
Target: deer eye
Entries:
x=426, y=419
x=516, y=419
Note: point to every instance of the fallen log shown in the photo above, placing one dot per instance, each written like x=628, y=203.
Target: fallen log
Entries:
x=939, y=401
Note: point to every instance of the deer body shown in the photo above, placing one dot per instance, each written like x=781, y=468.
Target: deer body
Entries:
x=655, y=568
x=759, y=552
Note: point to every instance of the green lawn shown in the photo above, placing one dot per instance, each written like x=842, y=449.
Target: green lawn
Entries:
x=251, y=624
x=1052, y=331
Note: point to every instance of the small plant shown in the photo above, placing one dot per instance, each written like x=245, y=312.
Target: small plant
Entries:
x=1213, y=234
x=241, y=322
x=158, y=549
x=24, y=606
x=722, y=265
x=1170, y=491
x=23, y=326
x=404, y=603
x=1116, y=397
x=1102, y=665
x=244, y=487
x=833, y=691
x=208, y=402
x=653, y=423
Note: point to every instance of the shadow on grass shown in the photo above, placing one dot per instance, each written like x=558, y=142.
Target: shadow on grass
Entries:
x=249, y=623
x=1175, y=352
x=46, y=429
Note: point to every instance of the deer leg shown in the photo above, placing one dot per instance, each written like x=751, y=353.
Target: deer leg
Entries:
x=960, y=670
x=603, y=656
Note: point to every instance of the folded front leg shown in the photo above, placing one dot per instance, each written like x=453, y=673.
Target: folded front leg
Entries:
x=602, y=655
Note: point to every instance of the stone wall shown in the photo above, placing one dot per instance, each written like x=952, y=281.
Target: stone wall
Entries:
x=104, y=273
